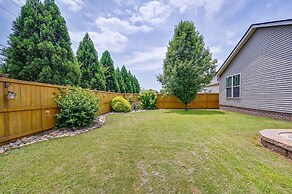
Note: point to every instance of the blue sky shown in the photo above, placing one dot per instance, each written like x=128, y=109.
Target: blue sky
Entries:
x=137, y=32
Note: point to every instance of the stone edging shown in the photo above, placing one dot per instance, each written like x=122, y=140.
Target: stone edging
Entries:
x=55, y=133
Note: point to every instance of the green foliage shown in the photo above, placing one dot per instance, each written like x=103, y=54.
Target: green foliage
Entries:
x=92, y=75
x=2, y=67
x=127, y=79
x=39, y=48
x=188, y=65
x=135, y=105
x=120, y=80
x=148, y=99
x=136, y=85
x=110, y=74
x=77, y=107
x=120, y=104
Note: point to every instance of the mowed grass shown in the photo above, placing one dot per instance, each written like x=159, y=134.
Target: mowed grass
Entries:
x=162, y=151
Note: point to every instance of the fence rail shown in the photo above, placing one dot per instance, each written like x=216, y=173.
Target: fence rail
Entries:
x=33, y=109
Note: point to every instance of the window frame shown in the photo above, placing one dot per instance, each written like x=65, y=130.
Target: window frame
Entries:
x=232, y=86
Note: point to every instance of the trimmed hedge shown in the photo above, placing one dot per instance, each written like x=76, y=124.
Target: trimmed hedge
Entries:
x=120, y=104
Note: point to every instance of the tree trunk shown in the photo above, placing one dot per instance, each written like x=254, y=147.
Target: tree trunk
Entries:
x=186, y=107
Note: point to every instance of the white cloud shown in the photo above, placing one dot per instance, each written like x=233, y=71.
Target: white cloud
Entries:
x=125, y=3
x=74, y=5
x=114, y=24
x=89, y=15
x=112, y=41
x=153, y=12
x=210, y=6
x=231, y=37
x=215, y=49
x=118, y=11
x=151, y=59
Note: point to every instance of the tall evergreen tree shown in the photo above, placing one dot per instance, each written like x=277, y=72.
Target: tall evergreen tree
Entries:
x=110, y=74
x=137, y=84
x=22, y=57
x=92, y=75
x=131, y=82
x=188, y=65
x=127, y=80
x=39, y=48
x=120, y=80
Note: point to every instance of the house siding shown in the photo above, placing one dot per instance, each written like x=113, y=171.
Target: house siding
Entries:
x=265, y=65
x=211, y=89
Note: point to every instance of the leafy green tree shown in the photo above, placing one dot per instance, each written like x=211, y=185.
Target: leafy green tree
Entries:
x=188, y=65
x=92, y=75
x=110, y=74
x=39, y=48
x=120, y=80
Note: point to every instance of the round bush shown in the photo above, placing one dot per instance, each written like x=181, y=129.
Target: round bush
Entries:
x=148, y=99
x=77, y=107
x=120, y=104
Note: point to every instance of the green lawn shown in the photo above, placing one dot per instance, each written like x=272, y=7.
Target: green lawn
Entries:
x=163, y=151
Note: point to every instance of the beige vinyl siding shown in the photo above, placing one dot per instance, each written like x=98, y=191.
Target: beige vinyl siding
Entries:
x=265, y=65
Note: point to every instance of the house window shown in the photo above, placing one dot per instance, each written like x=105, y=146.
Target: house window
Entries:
x=233, y=86
x=229, y=87
x=236, y=86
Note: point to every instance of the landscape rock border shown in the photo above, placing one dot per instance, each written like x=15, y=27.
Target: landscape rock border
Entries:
x=56, y=133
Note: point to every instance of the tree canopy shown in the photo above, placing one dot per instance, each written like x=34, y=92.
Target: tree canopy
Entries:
x=110, y=74
x=128, y=83
x=136, y=85
x=120, y=81
x=92, y=74
x=39, y=48
x=188, y=65
x=127, y=79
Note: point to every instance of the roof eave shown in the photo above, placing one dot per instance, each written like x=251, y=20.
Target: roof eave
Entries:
x=246, y=37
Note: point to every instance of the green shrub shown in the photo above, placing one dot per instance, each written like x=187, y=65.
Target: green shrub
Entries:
x=77, y=107
x=148, y=99
x=120, y=104
x=135, y=105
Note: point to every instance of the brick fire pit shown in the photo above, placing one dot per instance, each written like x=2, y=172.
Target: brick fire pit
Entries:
x=278, y=140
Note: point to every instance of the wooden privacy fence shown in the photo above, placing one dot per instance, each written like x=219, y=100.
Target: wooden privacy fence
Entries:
x=202, y=101
x=33, y=110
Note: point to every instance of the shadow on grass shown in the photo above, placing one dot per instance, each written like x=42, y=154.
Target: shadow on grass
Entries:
x=195, y=112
